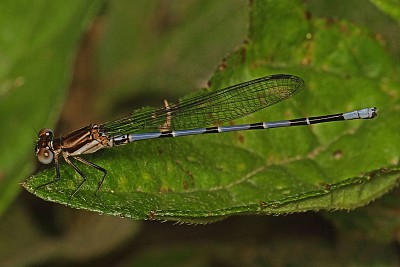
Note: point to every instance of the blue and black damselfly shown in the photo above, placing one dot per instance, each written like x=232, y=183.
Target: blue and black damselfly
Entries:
x=187, y=117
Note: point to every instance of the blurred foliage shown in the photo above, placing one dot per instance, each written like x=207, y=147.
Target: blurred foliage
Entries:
x=37, y=47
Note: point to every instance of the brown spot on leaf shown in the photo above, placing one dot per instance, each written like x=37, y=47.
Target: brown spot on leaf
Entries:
x=241, y=138
x=222, y=66
x=307, y=15
x=338, y=154
x=152, y=215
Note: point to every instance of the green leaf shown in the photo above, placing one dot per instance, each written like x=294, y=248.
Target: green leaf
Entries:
x=37, y=43
x=391, y=7
x=200, y=179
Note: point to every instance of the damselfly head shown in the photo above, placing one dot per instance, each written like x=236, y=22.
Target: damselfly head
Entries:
x=44, y=151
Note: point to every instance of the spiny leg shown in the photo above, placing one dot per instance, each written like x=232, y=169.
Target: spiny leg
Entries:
x=58, y=176
x=104, y=171
x=70, y=163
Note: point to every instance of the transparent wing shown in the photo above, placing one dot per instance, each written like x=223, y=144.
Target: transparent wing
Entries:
x=210, y=108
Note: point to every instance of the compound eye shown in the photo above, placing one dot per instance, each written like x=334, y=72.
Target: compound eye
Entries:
x=45, y=155
x=48, y=133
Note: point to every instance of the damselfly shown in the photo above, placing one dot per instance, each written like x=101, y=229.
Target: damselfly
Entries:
x=187, y=117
